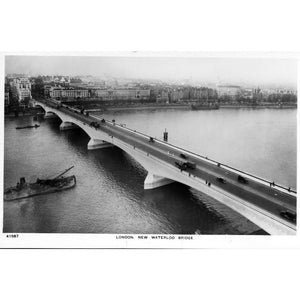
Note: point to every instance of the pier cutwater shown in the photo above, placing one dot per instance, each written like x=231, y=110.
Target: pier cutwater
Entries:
x=150, y=158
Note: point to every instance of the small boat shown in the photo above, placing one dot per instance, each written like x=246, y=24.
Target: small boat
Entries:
x=204, y=106
x=40, y=187
x=29, y=126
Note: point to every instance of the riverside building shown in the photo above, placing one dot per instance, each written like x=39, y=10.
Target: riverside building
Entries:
x=122, y=94
x=61, y=93
x=22, y=88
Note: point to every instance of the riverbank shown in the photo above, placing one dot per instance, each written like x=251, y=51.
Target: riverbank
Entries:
x=185, y=107
x=259, y=106
x=21, y=114
x=25, y=112
x=139, y=107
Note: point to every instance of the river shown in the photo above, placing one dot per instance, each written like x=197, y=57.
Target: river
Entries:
x=109, y=195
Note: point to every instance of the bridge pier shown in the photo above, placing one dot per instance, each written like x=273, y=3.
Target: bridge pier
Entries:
x=98, y=144
x=154, y=181
x=67, y=126
x=50, y=115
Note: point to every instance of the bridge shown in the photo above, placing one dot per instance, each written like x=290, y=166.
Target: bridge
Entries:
x=270, y=206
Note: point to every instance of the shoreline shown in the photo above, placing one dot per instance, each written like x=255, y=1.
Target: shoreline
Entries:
x=122, y=108
x=187, y=107
x=167, y=106
x=259, y=106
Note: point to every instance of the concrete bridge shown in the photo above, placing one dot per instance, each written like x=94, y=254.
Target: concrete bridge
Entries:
x=270, y=206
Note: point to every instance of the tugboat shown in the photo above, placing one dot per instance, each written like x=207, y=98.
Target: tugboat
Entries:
x=42, y=186
x=29, y=126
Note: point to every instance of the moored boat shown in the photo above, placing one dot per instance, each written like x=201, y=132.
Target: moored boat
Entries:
x=24, y=189
x=28, y=126
x=203, y=106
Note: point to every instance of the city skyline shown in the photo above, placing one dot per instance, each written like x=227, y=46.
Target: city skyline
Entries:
x=251, y=71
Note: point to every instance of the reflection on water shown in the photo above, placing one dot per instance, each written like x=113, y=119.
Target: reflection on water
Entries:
x=109, y=195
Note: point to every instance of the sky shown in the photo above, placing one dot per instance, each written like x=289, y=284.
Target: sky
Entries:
x=252, y=71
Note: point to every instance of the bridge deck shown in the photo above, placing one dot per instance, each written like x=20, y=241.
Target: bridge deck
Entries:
x=268, y=198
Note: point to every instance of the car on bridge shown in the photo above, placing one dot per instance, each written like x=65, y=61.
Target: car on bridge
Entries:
x=183, y=156
x=288, y=215
x=242, y=179
x=181, y=165
x=190, y=165
x=221, y=180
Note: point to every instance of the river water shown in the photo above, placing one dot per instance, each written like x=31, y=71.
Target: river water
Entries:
x=109, y=195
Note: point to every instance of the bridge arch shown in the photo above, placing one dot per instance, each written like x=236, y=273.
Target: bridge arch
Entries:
x=68, y=122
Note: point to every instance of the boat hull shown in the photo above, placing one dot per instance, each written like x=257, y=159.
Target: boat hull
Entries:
x=36, y=189
x=29, y=126
x=204, y=107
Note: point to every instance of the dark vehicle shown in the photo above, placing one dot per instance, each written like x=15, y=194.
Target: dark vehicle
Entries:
x=191, y=165
x=95, y=124
x=151, y=139
x=87, y=113
x=288, y=215
x=242, y=179
x=220, y=179
x=181, y=165
x=102, y=121
x=183, y=156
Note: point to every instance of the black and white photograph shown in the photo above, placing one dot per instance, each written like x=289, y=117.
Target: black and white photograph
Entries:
x=149, y=149
x=150, y=145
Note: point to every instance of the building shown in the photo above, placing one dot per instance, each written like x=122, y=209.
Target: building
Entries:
x=122, y=94
x=75, y=94
x=62, y=93
x=22, y=88
x=6, y=99
x=176, y=95
x=247, y=94
x=231, y=91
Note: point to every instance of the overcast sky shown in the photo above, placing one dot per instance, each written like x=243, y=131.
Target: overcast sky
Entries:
x=257, y=71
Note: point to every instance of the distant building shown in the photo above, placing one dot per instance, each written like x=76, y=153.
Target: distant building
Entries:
x=161, y=95
x=59, y=92
x=6, y=99
x=231, y=91
x=22, y=88
x=176, y=95
x=247, y=94
x=122, y=94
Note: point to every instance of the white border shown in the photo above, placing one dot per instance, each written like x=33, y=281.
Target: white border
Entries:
x=26, y=240
x=213, y=25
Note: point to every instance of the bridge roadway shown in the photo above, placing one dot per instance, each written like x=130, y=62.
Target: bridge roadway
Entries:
x=261, y=195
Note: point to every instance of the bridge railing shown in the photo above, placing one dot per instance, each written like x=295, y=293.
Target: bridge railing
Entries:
x=210, y=160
